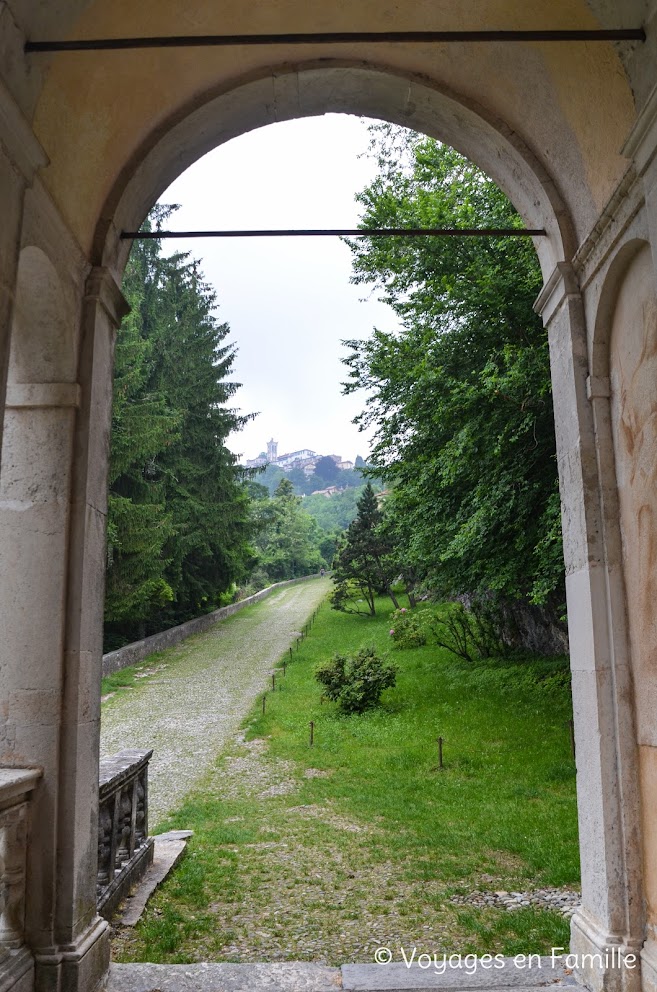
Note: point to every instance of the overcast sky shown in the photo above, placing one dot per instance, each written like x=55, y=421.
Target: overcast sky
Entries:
x=289, y=302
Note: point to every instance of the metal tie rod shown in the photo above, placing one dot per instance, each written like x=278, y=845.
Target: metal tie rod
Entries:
x=357, y=232
x=332, y=38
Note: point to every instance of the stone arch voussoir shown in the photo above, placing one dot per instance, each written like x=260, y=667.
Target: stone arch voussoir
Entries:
x=289, y=92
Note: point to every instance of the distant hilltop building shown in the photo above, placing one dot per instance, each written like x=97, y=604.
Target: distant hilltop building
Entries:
x=304, y=459
x=292, y=459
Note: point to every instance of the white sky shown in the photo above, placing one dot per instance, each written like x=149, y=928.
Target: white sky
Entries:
x=288, y=301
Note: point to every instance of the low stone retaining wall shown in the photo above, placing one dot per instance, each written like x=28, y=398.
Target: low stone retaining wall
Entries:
x=130, y=654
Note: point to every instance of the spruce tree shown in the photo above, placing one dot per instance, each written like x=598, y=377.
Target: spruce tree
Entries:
x=180, y=521
x=365, y=564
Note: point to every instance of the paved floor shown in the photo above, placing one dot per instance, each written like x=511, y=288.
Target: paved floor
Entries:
x=301, y=977
x=195, y=695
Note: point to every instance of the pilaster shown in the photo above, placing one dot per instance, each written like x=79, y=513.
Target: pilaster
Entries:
x=641, y=148
x=21, y=156
x=607, y=782
x=79, y=955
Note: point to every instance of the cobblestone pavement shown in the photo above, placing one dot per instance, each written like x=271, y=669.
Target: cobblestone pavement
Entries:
x=565, y=900
x=192, y=698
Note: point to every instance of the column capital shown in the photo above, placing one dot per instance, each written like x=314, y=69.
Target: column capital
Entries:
x=102, y=287
x=19, y=139
x=560, y=286
x=641, y=144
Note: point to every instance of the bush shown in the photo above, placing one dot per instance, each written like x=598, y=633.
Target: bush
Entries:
x=470, y=633
x=356, y=683
x=407, y=628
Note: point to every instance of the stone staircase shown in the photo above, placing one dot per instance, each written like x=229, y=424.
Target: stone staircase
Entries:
x=303, y=977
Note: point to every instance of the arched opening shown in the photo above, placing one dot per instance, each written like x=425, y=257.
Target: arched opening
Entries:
x=240, y=193
x=314, y=90
x=172, y=143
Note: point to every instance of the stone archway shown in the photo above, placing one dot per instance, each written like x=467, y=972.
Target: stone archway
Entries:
x=611, y=917
x=108, y=165
x=291, y=92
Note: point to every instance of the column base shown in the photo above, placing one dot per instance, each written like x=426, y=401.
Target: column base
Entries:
x=649, y=966
x=603, y=962
x=78, y=967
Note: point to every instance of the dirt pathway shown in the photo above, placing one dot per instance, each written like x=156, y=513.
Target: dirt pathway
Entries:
x=196, y=694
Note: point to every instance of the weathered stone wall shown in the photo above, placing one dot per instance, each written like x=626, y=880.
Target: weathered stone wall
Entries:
x=130, y=654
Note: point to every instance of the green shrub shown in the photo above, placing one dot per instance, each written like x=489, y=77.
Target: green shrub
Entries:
x=407, y=628
x=356, y=683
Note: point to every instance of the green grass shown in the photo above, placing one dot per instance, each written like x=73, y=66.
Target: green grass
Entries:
x=128, y=678
x=324, y=853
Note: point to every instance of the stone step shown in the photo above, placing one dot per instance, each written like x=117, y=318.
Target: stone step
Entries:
x=168, y=850
x=223, y=977
x=304, y=977
x=484, y=975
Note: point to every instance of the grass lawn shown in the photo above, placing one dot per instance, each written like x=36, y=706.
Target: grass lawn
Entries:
x=324, y=853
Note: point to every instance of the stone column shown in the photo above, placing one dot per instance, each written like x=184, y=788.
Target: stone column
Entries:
x=53, y=500
x=81, y=940
x=609, y=926
x=34, y=496
x=21, y=156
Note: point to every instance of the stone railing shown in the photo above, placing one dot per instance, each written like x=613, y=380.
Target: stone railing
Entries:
x=124, y=848
x=16, y=784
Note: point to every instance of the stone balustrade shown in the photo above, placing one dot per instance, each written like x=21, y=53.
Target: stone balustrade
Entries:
x=16, y=784
x=124, y=848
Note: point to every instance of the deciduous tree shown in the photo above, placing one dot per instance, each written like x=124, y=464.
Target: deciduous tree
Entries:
x=460, y=398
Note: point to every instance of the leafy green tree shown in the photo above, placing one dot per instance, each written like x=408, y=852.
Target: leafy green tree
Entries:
x=336, y=512
x=460, y=398
x=288, y=542
x=270, y=477
x=365, y=563
x=327, y=470
x=298, y=479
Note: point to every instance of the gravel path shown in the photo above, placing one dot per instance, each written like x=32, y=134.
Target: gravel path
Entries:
x=193, y=697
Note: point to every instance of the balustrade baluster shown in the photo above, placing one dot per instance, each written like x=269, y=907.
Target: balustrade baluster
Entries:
x=16, y=784
x=124, y=848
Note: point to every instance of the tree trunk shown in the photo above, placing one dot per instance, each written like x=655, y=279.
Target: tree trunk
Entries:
x=395, y=602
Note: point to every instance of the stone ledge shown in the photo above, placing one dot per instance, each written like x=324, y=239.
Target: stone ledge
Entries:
x=398, y=977
x=168, y=850
x=223, y=977
x=15, y=783
x=120, y=767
